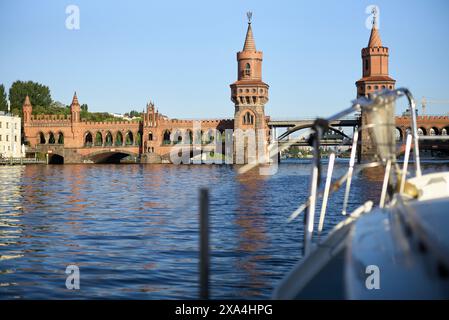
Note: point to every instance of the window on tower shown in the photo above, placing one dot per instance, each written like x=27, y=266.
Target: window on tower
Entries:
x=366, y=65
x=248, y=118
x=247, y=69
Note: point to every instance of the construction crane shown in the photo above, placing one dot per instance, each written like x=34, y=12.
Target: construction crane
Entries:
x=425, y=101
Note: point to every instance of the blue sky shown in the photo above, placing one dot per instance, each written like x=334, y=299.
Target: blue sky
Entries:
x=182, y=54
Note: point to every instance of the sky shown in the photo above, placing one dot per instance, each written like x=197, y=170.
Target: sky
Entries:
x=182, y=54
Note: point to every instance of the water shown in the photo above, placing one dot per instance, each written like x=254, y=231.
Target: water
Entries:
x=133, y=229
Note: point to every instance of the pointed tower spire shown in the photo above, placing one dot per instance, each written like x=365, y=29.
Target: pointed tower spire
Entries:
x=75, y=100
x=27, y=101
x=75, y=109
x=27, y=109
x=374, y=39
x=249, y=45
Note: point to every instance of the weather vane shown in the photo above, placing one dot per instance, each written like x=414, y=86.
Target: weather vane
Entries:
x=374, y=12
x=249, y=14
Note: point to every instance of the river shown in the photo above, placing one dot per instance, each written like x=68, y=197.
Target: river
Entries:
x=133, y=229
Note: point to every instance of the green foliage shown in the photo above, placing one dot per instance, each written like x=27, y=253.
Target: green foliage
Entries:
x=84, y=107
x=38, y=93
x=96, y=116
x=3, y=102
x=133, y=113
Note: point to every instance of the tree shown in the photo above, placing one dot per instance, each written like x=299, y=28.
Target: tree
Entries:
x=3, y=102
x=39, y=95
x=84, y=107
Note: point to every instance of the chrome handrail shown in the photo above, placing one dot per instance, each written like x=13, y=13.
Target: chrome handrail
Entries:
x=381, y=98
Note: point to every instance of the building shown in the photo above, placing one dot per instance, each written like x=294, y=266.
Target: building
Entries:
x=10, y=136
x=375, y=77
x=250, y=94
x=70, y=139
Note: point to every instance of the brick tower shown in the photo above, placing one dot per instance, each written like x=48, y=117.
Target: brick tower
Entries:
x=375, y=77
x=75, y=109
x=27, y=110
x=250, y=94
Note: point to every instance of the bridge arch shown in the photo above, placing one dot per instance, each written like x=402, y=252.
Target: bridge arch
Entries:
x=54, y=158
x=422, y=131
x=118, y=139
x=108, y=156
x=399, y=134
x=434, y=131
x=445, y=131
x=98, y=139
x=88, y=139
x=129, y=138
x=108, y=140
x=306, y=126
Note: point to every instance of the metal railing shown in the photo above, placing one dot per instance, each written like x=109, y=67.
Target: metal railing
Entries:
x=373, y=105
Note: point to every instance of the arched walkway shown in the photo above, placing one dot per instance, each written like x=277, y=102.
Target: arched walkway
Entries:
x=108, y=140
x=119, y=139
x=88, y=140
x=98, y=139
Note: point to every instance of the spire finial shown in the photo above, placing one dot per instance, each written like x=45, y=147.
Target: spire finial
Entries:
x=374, y=12
x=249, y=14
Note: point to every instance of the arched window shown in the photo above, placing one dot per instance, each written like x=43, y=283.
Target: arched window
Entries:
x=248, y=118
x=366, y=65
x=119, y=139
x=150, y=136
x=129, y=140
x=108, y=140
x=98, y=139
x=51, y=138
x=60, y=138
x=189, y=136
x=88, y=140
x=166, y=137
x=247, y=69
x=41, y=138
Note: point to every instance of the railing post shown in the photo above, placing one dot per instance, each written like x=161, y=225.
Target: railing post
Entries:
x=204, y=244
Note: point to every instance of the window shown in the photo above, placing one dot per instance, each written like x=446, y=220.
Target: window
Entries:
x=366, y=65
x=7, y=138
x=7, y=125
x=15, y=126
x=247, y=69
x=150, y=136
x=0, y=137
x=15, y=138
x=248, y=118
x=376, y=87
x=0, y=124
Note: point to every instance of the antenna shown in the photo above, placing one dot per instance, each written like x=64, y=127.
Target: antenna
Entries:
x=249, y=14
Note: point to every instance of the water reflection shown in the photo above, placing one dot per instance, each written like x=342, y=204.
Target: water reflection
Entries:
x=132, y=229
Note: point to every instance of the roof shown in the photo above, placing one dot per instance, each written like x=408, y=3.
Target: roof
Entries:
x=249, y=45
x=374, y=38
x=376, y=79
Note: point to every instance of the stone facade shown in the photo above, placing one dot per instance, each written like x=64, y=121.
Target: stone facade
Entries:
x=10, y=136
